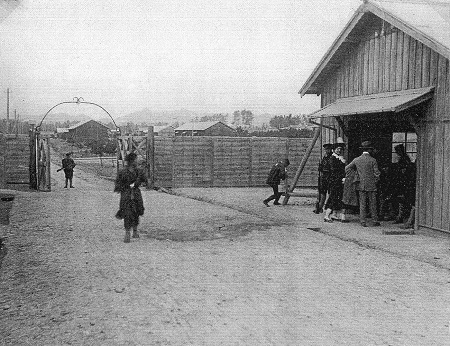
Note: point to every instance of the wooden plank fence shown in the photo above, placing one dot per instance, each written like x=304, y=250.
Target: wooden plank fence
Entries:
x=228, y=161
x=14, y=161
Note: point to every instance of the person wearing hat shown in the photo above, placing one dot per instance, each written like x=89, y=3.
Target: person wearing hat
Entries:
x=68, y=165
x=131, y=205
x=337, y=174
x=369, y=174
x=276, y=174
x=401, y=182
x=324, y=178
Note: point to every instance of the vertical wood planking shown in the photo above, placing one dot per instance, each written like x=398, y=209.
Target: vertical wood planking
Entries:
x=412, y=63
x=365, y=67
x=346, y=75
x=376, y=64
x=438, y=175
x=399, y=63
x=429, y=168
x=359, y=59
x=405, y=61
x=418, y=68
x=446, y=163
x=426, y=58
x=338, y=84
x=381, y=63
x=421, y=174
x=351, y=85
x=387, y=63
x=434, y=59
x=393, y=61
x=446, y=178
x=371, y=69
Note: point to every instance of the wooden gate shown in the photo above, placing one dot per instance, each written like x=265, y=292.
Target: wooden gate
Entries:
x=143, y=147
x=39, y=161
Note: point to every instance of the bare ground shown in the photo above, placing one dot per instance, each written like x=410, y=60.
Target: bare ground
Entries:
x=228, y=271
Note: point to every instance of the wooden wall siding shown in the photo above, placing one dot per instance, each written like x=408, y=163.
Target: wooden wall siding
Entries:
x=382, y=63
x=434, y=157
x=223, y=161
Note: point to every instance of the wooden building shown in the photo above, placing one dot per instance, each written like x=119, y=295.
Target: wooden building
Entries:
x=164, y=131
x=386, y=79
x=205, y=128
x=87, y=131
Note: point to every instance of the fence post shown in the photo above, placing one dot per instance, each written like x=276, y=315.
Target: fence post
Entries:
x=49, y=181
x=2, y=161
x=33, y=168
x=150, y=158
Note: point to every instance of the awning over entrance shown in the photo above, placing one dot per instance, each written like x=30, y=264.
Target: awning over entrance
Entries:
x=395, y=101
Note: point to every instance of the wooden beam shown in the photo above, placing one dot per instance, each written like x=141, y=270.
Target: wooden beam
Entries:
x=317, y=133
x=150, y=158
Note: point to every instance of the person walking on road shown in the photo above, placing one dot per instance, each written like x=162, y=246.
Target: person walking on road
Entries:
x=368, y=173
x=68, y=165
x=131, y=205
x=324, y=178
x=276, y=174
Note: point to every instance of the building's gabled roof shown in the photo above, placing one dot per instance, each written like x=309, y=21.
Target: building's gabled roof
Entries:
x=427, y=21
x=200, y=126
x=157, y=129
x=85, y=122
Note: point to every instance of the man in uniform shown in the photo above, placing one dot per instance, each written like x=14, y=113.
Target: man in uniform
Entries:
x=67, y=165
x=324, y=178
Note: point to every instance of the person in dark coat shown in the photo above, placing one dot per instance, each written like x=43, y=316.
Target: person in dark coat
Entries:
x=276, y=174
x=68, y=165
x=324, y=178
x=131, y=205
x=402, y=182
x=410, y=196
x=337, y=174
x=368, y=173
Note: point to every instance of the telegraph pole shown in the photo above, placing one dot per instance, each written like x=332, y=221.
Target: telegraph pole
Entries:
x=7, y=110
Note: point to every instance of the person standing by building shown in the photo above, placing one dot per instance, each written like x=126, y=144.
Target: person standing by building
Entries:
x=276, y=174
x=131, y=205
x=337, y=174
x=368, y=173
x=68, y=165
x=324, y=178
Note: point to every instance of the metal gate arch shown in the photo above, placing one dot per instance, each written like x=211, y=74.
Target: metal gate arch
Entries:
x=40, y=175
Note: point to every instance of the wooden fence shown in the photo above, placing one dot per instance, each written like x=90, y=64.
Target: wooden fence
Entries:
x=14, y=161
x=228, y=161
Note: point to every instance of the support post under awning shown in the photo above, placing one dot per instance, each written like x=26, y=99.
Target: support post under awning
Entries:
x=317, y=133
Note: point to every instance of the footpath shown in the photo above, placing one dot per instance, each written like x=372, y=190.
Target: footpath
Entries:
x=430, y=247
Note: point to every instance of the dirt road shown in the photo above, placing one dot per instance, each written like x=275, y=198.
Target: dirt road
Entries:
x=204, y=274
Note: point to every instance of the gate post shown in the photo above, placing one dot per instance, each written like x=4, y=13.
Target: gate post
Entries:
x=33, y=168
x=2, y=161
x=150, y=153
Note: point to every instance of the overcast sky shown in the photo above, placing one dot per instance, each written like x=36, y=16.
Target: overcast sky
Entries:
x=202, y=55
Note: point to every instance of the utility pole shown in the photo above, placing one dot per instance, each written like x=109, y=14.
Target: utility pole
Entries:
x=7, y=110
x=16, y=123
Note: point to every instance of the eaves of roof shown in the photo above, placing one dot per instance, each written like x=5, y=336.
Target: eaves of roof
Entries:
x=343, y=38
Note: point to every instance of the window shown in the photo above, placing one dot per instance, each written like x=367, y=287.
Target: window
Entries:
x=409, y=140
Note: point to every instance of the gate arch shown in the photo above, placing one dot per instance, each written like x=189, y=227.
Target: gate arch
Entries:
x=40, y=150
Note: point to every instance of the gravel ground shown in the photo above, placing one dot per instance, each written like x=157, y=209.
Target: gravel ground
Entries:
x=228, y=271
